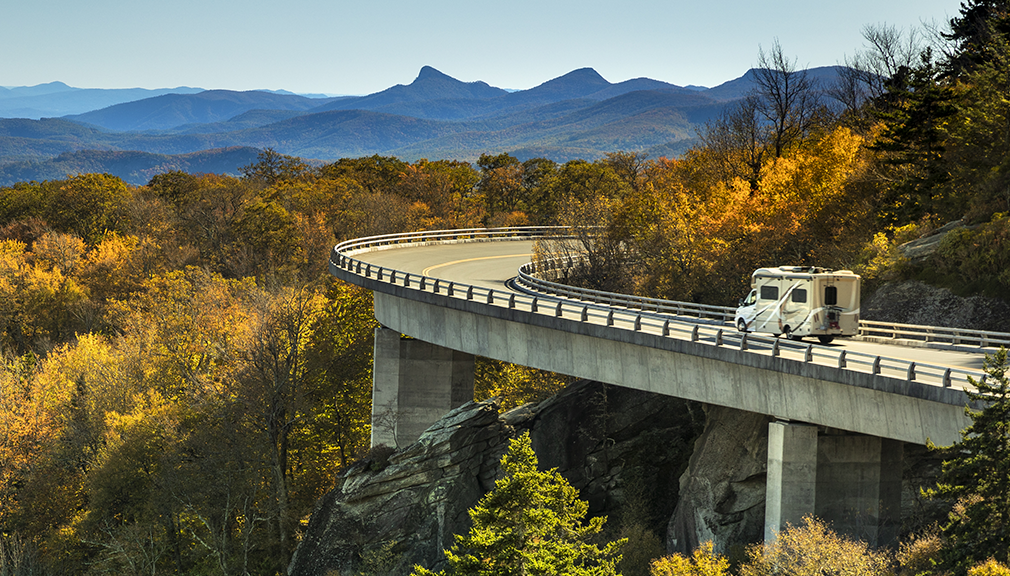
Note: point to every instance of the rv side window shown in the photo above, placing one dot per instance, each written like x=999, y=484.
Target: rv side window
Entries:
x=769, y=292
x=799, y=295
x=831, y=296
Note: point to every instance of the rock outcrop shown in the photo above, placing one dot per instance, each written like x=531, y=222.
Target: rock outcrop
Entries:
x=918, y=303
x=623, y=449
x=722, y=494
x=641, y=459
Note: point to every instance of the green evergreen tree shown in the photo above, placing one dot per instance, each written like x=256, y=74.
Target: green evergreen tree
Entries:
x=972, y=32
x=977, y=476
x=914, y=111
x=530, y=524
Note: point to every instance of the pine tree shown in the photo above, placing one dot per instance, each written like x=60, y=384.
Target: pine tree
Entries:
x=977, y=476
x=530, y=524
x=972, y=32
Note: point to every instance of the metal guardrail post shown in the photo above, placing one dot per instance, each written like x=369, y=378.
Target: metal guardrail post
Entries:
x=406, y=280
x=743, y=342
x=557, y=313
x=435, y=287
x=490, y=296
x=718, y=338
x=392, y=277
x=512, y=301
x=638, y=323
x=610, y=318
x=449, y=290
x=841, y=360
x=368, y=271
x=469, y=292
x=533, y=306
x=378, y=276
x=910, y=374
x=666, y=328
x=876, y=365
x=422, y=283
x=775, y=349
x=808, y=356
x=585, y=313
x=946, y=378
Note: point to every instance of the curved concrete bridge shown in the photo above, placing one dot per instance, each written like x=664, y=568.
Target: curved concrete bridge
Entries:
x=841, y=411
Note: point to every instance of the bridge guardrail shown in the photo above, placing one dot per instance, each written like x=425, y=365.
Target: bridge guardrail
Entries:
x=872, y=328
x=528, y=279
x=568, y=302
x=956, y=336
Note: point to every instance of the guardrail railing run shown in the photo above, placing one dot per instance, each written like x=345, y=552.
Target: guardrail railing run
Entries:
x=956, y=336
x=658, y=317
x=527, y=280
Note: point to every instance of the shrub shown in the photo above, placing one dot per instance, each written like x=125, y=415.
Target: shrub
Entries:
x=704, y=562
x=814, y=550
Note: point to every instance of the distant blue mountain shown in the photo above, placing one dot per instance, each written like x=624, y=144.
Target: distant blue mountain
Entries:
x=577, y=115
x=430, y=85
x=172, y=110
x=57, y=99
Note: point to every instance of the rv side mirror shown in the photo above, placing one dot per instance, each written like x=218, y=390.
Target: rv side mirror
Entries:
x=739, y=302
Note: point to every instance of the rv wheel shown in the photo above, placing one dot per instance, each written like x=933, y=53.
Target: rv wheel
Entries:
x=825, y=339
x=789, y=334
x=741, y=325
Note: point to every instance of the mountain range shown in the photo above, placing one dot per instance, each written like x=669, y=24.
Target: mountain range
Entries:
x=577, y=115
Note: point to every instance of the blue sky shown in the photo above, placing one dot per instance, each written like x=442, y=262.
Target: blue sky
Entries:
x=359, y=47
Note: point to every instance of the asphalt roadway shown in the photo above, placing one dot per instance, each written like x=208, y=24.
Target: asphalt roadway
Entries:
x=493, y=264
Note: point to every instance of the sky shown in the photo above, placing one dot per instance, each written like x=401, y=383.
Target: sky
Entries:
x=364, y=46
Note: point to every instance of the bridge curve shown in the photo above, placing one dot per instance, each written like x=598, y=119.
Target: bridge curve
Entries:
x=838, y=414
x=449, y=288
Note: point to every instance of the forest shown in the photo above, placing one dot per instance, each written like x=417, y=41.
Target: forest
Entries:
x=181, y=379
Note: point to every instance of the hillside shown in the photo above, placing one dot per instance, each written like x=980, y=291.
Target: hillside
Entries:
x=135, y=168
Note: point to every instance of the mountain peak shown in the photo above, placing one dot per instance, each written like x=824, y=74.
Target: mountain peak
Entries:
x=429, y=73
x=584, y=75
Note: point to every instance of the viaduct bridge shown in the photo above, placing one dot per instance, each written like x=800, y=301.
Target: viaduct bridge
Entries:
x=841, y=412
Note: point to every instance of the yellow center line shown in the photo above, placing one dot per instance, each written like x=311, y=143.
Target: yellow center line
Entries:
x=426, y=271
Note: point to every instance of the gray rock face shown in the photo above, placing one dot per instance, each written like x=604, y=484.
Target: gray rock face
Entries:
x=623, y=449
x=919, y=303
x=385, y=517
x=922, y=248
x=722, y=495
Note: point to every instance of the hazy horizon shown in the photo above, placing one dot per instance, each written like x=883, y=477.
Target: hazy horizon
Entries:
x=346, y=48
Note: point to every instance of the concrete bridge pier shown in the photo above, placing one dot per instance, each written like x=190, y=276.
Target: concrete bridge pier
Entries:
x=414, y=383
x=852, y=481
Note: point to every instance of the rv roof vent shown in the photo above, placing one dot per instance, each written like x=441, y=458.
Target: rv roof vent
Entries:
x=804, y=269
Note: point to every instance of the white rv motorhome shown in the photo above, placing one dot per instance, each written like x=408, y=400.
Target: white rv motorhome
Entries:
x=801, y=301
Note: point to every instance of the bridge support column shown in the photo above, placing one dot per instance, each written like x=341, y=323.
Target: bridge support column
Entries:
x=791, y=484
x=859, y=486
x=414, y=383
x=851, y=481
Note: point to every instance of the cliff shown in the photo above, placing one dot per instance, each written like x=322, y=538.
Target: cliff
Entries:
x=623, y=449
